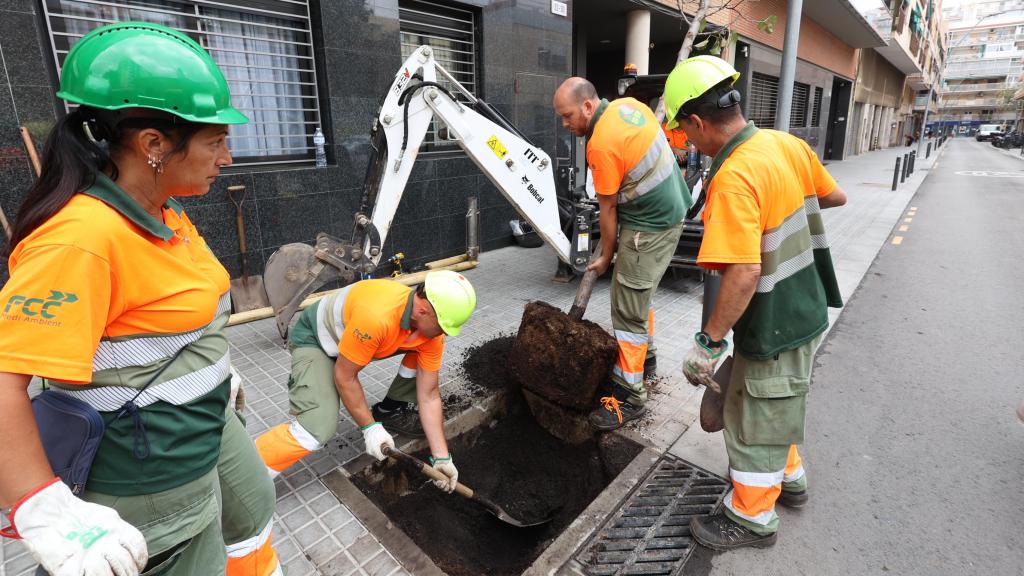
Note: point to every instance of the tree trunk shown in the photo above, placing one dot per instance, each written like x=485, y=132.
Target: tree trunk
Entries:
x=691, y=34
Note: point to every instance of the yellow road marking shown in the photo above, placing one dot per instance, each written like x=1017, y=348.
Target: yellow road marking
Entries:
x=908, y=220
x=913, y=207
x=897, y=240
x=904, y=228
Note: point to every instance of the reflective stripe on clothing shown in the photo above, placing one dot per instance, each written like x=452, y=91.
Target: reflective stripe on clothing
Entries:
x=140, y=350
x=650, y=327
x=629, y=157
x=756, y=505
x=330, y=323
x=179, y=391
x=407, y=369
x=254, y=556
x=629, y=365
x=794, y=466
x=284, y=445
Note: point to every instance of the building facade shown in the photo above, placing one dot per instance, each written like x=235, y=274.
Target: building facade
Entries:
x=986, y=46
x=294, y=66
x=893, y=80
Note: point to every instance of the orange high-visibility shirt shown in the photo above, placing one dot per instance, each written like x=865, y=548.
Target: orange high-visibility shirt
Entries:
x=102, y=267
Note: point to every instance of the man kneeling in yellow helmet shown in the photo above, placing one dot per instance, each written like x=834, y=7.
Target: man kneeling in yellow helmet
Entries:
x=336, y=338
x=763, y=230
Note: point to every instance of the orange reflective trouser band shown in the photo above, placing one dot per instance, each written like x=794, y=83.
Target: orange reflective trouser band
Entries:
x=641, y=261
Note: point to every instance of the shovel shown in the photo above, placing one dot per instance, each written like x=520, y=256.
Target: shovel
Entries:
x=460, y=488
x=247, y=292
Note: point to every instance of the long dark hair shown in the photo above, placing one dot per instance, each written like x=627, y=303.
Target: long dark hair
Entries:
x=71, y=159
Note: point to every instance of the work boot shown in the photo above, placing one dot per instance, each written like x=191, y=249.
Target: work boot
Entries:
x=651, y=368
x=720, y=533
x=404, y=419
x=613, y=413
x=793, y=499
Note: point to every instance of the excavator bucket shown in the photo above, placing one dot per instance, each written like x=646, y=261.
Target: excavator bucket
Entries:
x=291, y=274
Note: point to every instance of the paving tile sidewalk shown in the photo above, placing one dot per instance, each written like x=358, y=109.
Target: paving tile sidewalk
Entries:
x=315, y=534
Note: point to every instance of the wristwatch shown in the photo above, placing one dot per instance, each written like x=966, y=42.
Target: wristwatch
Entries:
x=705, y=340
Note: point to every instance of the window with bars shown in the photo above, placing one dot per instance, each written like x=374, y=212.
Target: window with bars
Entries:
x=764, y=97
x=451, y=30
x=263, y=47
x=816, y=114
x=798, y=109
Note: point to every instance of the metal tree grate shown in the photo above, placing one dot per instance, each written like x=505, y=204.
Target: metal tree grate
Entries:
x=650, y=532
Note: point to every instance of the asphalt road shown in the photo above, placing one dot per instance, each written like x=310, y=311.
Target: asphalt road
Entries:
x=914, y=453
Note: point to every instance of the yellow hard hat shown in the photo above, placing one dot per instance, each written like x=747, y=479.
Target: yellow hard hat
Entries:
x=690, y=79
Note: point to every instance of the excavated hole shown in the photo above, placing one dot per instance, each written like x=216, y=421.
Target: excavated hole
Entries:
x=513, y=461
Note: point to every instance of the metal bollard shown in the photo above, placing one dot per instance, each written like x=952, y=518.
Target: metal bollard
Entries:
x=896, y=174
x=913, y=156
x=906, y=162
x=928, y=151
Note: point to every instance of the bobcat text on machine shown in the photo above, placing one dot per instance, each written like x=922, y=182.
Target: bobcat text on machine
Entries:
x=521, y=171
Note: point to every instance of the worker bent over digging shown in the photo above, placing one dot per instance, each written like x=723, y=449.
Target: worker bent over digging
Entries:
x=338, y=336
x=643, y=200
x=763, y=230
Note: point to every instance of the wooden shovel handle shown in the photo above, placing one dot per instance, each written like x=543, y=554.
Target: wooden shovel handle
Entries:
x=579, y=305
x=426, y=469
x=30, y=149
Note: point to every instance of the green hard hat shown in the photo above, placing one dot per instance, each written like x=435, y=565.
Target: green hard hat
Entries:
x=452, y=297
x=690, y=79
x=144, y=65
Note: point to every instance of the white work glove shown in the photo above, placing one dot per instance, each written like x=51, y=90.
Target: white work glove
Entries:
x=445, y=466
x=376, y=436
x=72, y=537
x=699, y=364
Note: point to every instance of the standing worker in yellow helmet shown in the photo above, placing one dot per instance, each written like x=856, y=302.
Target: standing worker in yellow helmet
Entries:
x=643, y=201
x=117, y=302
x=336, y=338
x=763, y=230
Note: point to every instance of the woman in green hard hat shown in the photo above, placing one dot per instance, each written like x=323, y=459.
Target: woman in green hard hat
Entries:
x=118, y=303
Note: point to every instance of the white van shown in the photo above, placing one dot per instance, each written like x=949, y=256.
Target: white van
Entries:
x=987, y=131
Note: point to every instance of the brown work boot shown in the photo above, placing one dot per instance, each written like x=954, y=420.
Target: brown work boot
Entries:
x=719, y=532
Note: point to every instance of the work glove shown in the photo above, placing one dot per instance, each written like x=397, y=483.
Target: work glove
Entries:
x=72, y=537
x=375, y=437
x=445, y=466
x=699, y=364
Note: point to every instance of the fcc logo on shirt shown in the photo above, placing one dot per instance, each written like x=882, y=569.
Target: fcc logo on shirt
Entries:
x=38, y=310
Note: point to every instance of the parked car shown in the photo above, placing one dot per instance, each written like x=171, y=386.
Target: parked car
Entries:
x=1009, y=140
x=987, y=131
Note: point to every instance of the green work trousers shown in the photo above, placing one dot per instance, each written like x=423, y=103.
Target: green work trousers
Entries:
x=764, y=413
x=186, y=528
x=314, y=399
x=640, y=262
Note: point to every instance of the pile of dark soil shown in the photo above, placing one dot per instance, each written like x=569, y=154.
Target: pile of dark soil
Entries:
x=485, y=368
x=518, y=465
x=560, y=359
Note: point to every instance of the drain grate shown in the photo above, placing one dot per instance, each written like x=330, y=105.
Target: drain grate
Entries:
x=650, y=532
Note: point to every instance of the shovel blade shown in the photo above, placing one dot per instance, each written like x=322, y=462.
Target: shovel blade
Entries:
x=247, y=294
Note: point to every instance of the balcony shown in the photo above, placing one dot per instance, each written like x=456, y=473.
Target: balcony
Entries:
x=897, y=50
x=847, y=20
x=977, y=87
x=983, y=69
x=996, y=103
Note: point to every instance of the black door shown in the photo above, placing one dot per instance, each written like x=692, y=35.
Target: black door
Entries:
x=839, y=108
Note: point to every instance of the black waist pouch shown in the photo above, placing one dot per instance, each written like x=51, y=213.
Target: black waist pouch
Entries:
x=71, y=431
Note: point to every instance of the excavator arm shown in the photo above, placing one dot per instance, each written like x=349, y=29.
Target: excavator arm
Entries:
x=521, y=171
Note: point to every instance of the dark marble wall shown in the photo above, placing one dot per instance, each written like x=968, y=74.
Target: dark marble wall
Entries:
x=526, y=52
